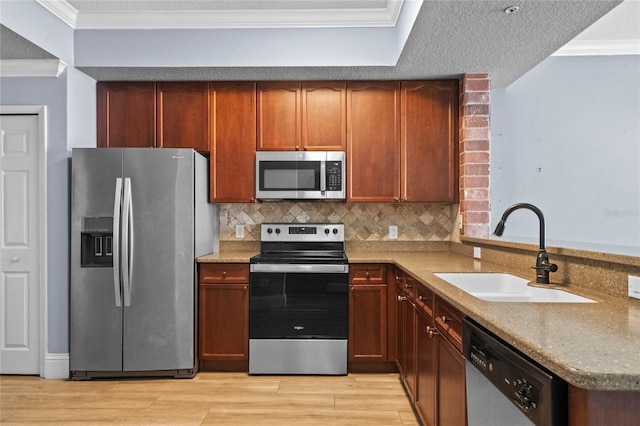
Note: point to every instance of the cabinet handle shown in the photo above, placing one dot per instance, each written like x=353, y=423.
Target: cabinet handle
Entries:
x=368, y=275
x=445, y=319
x=431, y=331
x=401, y=298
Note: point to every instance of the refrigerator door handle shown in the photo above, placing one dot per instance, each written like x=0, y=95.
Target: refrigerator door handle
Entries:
x=127, y=244
x=117, y=204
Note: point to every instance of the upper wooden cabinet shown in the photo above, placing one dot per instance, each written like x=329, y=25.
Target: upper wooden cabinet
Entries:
x=429, y=125
x=301, y=116
x=233, y=142
x=126, y=114
x=402, y=141
x=182, y=111
x=147, y=115
x=373, y=141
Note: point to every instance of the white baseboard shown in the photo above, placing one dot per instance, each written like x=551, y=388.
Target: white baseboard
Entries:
x=56, y=366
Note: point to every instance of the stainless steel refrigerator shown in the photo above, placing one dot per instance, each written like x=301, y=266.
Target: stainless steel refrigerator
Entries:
x=140, y=217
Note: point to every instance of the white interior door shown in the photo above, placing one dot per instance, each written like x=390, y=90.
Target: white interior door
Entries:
x=20, y=245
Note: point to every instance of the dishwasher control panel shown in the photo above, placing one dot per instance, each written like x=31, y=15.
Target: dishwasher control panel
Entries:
x=536, y=392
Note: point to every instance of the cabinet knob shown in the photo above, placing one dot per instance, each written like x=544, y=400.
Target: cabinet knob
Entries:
x=404, y=198
x=353, y=288
x=368, y=275
x=246, y=287
x=421, y=298
x=305, y=148
x=224, y=274
x=407, y=285
x=431, y=331
x=396, y=198
x=297, y=147
x=401, y=298
x=15, y=259
x=445, y=319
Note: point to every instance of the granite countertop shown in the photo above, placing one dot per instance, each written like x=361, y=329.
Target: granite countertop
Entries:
x=593, y=346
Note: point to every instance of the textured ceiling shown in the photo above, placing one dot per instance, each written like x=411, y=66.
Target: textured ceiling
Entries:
x=449, y=38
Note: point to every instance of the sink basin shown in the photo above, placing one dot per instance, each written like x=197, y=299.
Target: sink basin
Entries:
x=497, y=287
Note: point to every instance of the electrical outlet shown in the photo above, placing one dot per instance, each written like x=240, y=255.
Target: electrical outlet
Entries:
x=634, y=287
x=239, y=231
x=393, y=232
x=477, y=252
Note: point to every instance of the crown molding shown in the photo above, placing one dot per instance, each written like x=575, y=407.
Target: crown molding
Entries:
x=62, y=10
x=599, y=48
x=31, y=67
x=223, y=19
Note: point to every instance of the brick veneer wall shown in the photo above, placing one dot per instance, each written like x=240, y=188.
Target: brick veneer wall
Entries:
x=475, y=114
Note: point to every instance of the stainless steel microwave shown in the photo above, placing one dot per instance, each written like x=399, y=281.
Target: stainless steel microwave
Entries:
x=300, y=175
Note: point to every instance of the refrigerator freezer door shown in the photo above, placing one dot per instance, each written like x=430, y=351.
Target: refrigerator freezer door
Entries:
x=159, y=321
x=95, y=332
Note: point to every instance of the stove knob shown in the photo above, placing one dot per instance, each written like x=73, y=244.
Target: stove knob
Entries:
x=335, y=231
x=269, y=231
x=277, y=230
x=326, y=231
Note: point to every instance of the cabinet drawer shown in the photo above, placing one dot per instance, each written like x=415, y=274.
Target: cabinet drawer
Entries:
x=424, y=299
x=367, y=274
x=224, y=273
x=449, y=321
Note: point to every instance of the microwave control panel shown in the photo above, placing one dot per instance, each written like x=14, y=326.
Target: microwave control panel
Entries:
x=334, y=175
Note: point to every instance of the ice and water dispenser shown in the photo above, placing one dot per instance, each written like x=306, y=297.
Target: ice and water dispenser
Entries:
x=97, y=242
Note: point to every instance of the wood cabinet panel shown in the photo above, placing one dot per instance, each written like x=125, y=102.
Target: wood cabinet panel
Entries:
x=373, y=141
x=451, y=386
x=223, y=319
x=224, y=273
x=183, y=115
x=426, y=369
x=278, y=115
x=429, y=127
x=224, y=325
x=233, y=142
x=368, y=322
x=324, y=116
x=449, y=321
x=373, y=273
x=126, y=114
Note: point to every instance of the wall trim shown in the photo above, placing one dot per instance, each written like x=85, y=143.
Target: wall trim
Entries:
x=32, y=67
x=599, y=48
x=56, y=366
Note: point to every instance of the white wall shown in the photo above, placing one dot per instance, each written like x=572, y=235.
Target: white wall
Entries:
x=566, y=137
x=71, y=121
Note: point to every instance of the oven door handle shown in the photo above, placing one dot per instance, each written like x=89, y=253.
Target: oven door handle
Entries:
x=300, y=268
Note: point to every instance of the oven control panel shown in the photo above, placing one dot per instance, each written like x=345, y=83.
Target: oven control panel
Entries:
x=306, y=232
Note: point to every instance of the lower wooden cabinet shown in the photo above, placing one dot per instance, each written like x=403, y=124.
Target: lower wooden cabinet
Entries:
x=224, y=317
x=429, y=354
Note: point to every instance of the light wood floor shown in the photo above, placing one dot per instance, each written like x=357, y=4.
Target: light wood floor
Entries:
x=209, y=399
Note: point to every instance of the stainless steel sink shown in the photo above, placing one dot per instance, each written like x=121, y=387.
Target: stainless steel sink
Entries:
x=498, y=287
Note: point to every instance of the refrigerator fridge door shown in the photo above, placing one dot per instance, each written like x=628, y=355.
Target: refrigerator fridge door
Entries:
x=159, y=286
x=95, y=332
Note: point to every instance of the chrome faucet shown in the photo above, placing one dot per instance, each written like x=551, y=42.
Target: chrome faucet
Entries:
x=543, y=267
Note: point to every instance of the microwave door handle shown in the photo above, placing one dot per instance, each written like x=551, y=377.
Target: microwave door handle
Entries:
x=323, y=176
x=117, y=208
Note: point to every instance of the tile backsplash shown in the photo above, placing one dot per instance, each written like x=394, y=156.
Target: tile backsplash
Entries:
x=363, y=222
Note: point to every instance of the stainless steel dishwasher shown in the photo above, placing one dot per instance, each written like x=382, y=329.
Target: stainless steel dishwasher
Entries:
x=505, y=387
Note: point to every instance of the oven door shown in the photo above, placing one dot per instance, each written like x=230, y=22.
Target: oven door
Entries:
x=299, y=301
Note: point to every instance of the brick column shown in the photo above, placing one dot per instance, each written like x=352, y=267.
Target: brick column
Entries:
x=475, y=110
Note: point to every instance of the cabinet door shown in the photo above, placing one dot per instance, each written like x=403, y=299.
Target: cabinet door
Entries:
x=368, y=323
x=126, y=114
x=373, y=142
x=278, y=115
x=233, y=142
x=451, y=392
x=183, y=115
x=324, y=116
x=224, y=322
x=426, y=370
x=429, y=126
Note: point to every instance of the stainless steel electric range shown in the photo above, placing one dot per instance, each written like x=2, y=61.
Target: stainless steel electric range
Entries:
x=298, y=301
